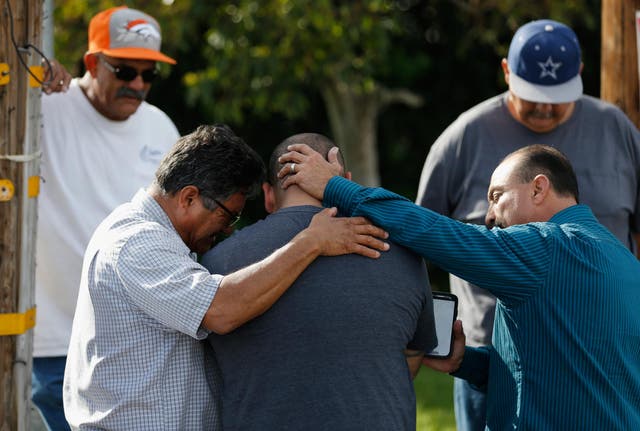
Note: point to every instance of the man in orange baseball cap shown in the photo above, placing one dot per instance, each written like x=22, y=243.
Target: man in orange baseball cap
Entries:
x=124, y=45
x=101, y=142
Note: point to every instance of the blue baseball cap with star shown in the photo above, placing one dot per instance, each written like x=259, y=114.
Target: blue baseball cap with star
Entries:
x=544, y=63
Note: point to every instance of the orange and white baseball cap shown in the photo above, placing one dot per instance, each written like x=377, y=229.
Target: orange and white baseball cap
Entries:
x=121, y=32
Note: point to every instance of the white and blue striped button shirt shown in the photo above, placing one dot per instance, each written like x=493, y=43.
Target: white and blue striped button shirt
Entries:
x=135, y=361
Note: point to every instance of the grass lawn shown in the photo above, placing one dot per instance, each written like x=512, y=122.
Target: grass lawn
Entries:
x=434, y=401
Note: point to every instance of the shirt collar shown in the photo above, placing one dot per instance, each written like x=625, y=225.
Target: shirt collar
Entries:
x=149, y=205
x=573, y=214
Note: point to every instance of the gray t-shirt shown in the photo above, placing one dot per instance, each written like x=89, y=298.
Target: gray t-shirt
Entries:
x=599, y=140
x=329, y=353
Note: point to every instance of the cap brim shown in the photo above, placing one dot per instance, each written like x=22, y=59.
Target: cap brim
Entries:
x=567, y=92
x=138, y=54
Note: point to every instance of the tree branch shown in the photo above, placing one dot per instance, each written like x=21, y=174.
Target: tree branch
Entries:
x=399, y=95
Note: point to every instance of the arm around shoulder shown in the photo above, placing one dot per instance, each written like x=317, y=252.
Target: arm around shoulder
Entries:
x=250, y=291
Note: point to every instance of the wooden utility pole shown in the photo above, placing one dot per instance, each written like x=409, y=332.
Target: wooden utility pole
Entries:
x=619, y=60
x=20, y=39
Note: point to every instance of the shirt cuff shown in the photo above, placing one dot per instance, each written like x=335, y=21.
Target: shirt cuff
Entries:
x=475, y=367
x=341, y=193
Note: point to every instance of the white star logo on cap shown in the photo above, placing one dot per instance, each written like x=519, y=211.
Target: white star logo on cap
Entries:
x=549, y=68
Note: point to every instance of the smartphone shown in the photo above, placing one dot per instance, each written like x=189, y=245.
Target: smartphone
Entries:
x=445, y=311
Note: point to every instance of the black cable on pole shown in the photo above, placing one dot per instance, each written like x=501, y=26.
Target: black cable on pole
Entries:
x=25, y=49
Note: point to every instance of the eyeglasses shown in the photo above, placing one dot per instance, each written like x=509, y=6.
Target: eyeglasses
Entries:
x=128, y=73
x=235, y=218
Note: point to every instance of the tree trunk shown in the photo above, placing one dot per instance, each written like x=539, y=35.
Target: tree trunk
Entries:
x=353, y=119
x=353, y=116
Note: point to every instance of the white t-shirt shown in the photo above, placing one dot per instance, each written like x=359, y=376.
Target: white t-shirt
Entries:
x=90, y=165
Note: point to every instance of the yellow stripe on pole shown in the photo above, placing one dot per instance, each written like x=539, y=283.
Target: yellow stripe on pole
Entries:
x=33, y=186
x=36, y=76
x=17, y=323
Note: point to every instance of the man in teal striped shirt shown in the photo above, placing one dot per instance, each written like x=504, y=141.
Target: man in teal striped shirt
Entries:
x=566, y=343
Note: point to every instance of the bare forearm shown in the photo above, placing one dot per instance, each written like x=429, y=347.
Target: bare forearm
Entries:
x=414, y=361
x=250, y=291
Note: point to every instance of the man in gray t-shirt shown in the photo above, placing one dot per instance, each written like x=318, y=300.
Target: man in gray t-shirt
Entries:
x=544, y=105
x=339, y=349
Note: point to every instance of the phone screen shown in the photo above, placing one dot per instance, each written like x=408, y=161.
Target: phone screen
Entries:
x=445, y=309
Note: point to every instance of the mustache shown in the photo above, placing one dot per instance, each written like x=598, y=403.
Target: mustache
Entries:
x=542, y=115
x=128, y=92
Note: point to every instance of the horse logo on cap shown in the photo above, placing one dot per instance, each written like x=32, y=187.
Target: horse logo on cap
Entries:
x=138, y=29
x=143, y=28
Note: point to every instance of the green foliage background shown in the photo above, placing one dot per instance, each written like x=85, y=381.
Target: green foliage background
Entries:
x=257, y=64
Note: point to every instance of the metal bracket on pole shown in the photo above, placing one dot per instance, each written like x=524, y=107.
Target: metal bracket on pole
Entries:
x=17, y=323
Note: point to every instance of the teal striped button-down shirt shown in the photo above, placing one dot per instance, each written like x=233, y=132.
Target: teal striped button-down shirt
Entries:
x=566, y=344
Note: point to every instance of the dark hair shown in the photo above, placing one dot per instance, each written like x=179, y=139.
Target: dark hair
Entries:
x=213, y=159
x=542, y=159
x=317, y=142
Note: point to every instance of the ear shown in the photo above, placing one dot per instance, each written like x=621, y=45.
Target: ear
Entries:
x=505, y=70
x=91, y=63
x=541, y=188
x=188, y=197
x=332, y=157
x=269, y=198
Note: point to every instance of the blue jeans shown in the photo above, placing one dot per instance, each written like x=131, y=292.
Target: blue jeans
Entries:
x=470, y=406
x=46, y=391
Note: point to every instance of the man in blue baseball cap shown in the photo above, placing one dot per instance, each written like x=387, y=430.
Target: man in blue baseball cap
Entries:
x=544, y=105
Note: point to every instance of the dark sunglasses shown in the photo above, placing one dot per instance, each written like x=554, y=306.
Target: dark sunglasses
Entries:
x=234, y=218
x=128, y=73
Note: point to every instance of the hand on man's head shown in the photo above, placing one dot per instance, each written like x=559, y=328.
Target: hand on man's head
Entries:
x=308, y=169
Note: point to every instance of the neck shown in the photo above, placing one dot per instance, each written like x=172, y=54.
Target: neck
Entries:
x=295, y=196
x=170, y=206
x=85, y=85
x=560, y=204
x=162, y=200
